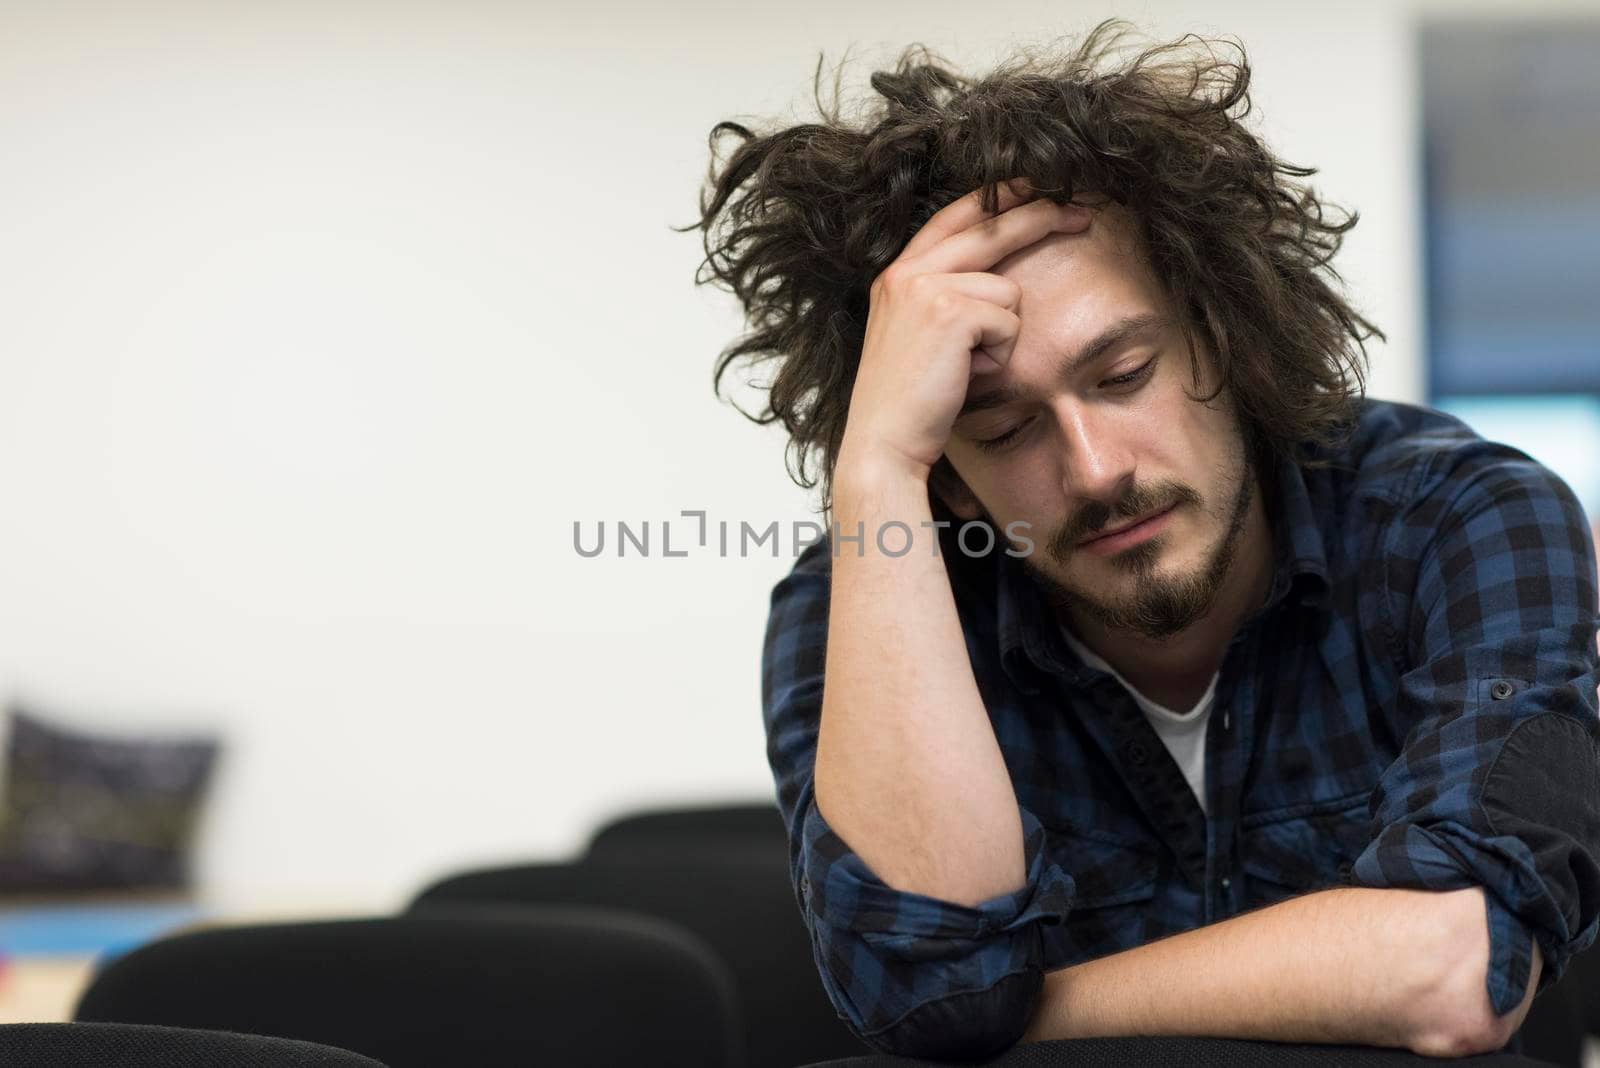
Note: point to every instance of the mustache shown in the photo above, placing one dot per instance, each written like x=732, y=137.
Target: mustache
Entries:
x=1096, y=515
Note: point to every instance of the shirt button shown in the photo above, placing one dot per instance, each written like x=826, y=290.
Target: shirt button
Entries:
x=1501, y=690
x=1226, y=882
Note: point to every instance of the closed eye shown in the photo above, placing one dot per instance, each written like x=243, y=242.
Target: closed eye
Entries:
x=995, y=444
x=1135, y=377
x=1143, y=371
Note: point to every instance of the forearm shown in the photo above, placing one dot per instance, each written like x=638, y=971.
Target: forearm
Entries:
x=902, y=719
x=1401, y=968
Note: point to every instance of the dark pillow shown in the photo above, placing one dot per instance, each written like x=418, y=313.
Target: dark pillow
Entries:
x=87, y=811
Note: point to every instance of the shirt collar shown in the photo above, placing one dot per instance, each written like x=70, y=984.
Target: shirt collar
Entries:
x=1029, y=633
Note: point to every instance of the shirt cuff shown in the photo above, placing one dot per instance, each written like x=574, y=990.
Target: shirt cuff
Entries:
x=918, y=976
x=1510, y=957
x=1442, y=858
x=843, y=893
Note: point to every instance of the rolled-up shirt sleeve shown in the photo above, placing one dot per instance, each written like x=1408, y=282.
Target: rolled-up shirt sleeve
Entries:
x=1492, y=608
x=910, y=974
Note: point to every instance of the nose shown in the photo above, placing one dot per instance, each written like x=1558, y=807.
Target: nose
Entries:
x=1096, y=463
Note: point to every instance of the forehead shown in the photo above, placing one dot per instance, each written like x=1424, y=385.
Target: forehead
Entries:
x=1081, y=280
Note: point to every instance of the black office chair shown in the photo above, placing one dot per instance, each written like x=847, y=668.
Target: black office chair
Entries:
x=737, y=899
x=1584, y=971
x=99, y=1045
x=486, y=987
x=1194, y=1053
x=1554, y=1030
x=1556, y=1022
x=746, y=825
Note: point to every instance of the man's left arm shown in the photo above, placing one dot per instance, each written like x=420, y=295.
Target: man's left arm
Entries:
x=1487, y=825
x=1398, y=968
x=1492, y=610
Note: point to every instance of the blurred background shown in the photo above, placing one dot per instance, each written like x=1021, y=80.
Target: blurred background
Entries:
x=325, y=323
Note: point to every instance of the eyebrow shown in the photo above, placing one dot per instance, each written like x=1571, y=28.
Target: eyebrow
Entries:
x=1131, y=328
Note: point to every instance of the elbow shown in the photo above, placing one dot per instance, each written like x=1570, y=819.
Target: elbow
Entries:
x=1465, y=1030
x=1450, y=1014
x=1462, y=1031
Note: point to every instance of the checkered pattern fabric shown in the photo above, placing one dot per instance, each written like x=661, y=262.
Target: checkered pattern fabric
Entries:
x=1413, y=706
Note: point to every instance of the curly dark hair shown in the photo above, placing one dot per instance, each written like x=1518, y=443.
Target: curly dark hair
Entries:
x=800, y=221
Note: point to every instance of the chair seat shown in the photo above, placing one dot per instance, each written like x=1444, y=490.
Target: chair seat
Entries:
x=104, y=1045
x=1194, y=1053
x=490, y=988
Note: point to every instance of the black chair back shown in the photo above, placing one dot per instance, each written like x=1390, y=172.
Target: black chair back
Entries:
x=100, y=1045
x=739, y=900
x=747, y=826
x=491, y=988
x=1553, y=1031
x=1194, y=1053
x=1554, y=1027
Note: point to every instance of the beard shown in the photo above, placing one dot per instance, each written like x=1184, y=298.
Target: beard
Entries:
x=1157, y=605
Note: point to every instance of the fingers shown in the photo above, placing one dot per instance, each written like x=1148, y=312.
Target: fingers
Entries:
x=980, y=285
x=983, y=363
x=963, y=212
x=995, y=334
x=983, y=244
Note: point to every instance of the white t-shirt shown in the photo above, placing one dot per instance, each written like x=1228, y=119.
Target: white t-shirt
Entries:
x=1183, y=733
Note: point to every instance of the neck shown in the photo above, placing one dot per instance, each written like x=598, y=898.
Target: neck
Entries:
x=1181, y=665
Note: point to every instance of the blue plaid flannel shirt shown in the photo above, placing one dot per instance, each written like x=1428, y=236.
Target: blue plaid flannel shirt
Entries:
x=1414, y=706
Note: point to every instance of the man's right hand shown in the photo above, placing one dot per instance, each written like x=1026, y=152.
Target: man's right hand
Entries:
x=902, y=717
x=937, y=317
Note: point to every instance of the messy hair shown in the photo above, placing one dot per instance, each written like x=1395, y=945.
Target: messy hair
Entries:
x=799, y=221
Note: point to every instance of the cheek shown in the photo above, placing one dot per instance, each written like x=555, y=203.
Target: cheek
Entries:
x=1028, y=488
x=1191, y=439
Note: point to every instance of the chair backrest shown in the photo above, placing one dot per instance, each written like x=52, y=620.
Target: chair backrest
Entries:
x=1165, y=1052
x=1553, y=1030
x=102, y=1045
x=1585, y=974
x=713, y=836
x=739, y=901
x=491, y=988
x=655, y=832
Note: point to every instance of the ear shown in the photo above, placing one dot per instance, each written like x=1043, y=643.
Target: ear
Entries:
x=943, y=480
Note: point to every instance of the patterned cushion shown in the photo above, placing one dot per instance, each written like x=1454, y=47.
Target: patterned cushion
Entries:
x=84, y=811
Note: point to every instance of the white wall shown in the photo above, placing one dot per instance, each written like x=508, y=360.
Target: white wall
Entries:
x=324, y=321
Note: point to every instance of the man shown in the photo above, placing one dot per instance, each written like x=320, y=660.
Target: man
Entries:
x=1152, y=680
